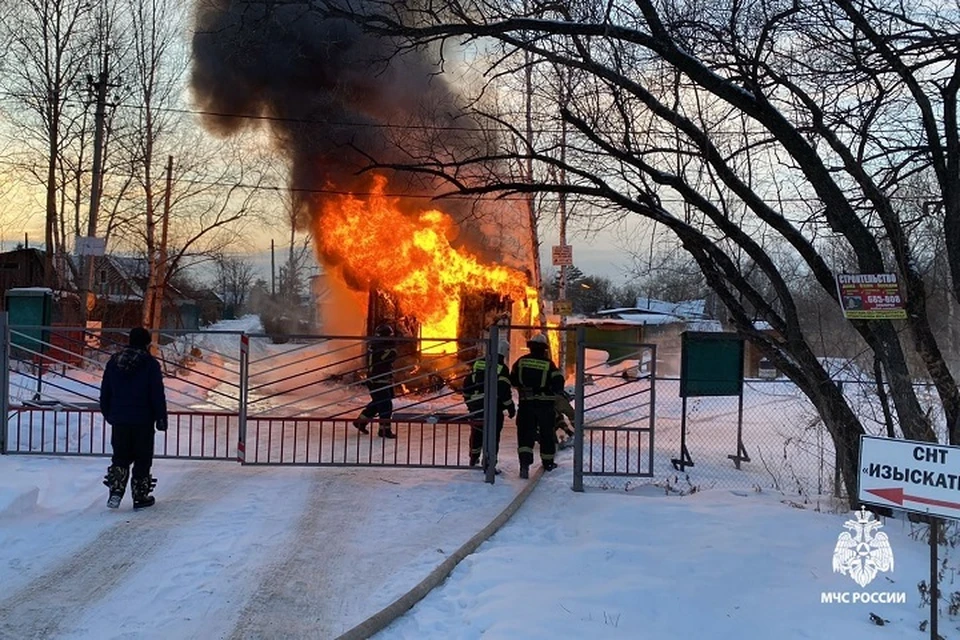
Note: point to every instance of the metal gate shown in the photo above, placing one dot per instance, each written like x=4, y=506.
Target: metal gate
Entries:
x=49, y=391
x=614, y=404
x=238, y=396
x=298, y=405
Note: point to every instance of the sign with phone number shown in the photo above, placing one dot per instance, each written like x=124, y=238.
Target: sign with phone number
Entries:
x=870, y=296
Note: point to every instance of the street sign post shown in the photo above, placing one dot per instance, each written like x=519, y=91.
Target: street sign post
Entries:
x=914, y=476
x=562, y=255
x=923, y=477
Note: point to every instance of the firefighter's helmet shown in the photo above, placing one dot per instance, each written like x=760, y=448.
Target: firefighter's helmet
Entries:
x=384, y=330
x=538, y=340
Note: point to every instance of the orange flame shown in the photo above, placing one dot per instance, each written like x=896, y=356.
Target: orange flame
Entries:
x=409, y=256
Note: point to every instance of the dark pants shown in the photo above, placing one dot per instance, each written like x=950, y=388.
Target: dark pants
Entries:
x=476, y=432
x=133, y=444
x=536, y=419
x=381, y=404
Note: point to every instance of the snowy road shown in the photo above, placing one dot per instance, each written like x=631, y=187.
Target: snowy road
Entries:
x=303, y=592
x=61, y=595
x=228, y=551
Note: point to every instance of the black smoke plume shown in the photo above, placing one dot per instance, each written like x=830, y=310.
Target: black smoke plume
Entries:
x=333, y=97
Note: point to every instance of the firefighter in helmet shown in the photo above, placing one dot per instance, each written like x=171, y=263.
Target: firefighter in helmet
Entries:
x=538, y=381
x=381, y=356
x=473, y=395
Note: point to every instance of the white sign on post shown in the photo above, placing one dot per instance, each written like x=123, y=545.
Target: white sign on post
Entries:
x=910, y=475
x=90, y=246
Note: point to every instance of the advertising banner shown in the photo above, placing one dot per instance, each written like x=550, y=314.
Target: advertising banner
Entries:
x=870, y=296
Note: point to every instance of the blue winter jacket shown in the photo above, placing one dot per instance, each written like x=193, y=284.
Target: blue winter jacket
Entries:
x=131, y=392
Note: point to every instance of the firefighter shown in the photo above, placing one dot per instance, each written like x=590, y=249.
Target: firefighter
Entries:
x=473, y=395
x=538, y=382
x=381, y=356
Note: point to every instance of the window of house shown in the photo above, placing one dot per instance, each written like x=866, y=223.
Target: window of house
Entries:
x=103, y=276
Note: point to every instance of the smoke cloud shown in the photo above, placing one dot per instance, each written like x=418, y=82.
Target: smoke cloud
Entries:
x=333, y=97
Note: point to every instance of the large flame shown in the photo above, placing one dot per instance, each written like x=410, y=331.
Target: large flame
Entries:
x=410, y=256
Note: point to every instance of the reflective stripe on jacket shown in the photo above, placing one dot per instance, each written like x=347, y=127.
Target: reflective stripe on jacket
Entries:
x=473, y=384
x=536, y=378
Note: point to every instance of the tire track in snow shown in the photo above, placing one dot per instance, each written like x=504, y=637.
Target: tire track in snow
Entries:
x=297, y=596
x=57, y=598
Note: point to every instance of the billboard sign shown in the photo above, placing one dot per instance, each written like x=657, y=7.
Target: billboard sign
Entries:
x=870, y=296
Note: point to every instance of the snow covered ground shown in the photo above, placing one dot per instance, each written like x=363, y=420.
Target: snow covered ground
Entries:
x=252, y=552
x=228, y=551
x=717, y=564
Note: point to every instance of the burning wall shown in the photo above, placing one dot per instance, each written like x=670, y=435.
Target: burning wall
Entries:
x=335, y=100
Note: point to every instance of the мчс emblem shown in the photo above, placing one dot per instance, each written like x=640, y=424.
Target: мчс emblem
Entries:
x=862, y=551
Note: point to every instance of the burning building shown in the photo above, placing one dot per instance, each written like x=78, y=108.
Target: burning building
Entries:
x=349, y=113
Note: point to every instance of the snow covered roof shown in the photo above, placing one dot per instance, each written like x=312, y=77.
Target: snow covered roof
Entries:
x=648, y=309
x=658, y=312
x=31, y=289
x=685, y=308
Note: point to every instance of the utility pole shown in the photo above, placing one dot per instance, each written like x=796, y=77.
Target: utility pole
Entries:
x=562, y=210
x=100, y=89
x=160, y=278
x=273, y=272
x=532, y=214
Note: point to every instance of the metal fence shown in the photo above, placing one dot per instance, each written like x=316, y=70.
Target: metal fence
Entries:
x=73, y=431
x=236, y=396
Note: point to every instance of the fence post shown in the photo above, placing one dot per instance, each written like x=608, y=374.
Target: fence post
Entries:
x=578, y=412
x=653, y=401
x=4, y=379
x=244, y=388
x=491, y=407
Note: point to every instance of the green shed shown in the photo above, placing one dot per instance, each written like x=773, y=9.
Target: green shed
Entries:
x=30, y=308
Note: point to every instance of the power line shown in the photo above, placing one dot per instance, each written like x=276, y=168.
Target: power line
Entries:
x=577, y=197
x=406, y=126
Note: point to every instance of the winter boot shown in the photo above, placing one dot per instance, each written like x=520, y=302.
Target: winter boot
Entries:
x=361, y=424
x=385, y=432
x=116, y=482
x=524, y=471
x=475, y=460
x=141, y=488
x=549, y=465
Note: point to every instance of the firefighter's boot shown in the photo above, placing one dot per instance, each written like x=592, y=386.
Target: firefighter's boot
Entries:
x=361, y=423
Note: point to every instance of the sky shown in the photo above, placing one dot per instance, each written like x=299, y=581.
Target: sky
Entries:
x=283, y=551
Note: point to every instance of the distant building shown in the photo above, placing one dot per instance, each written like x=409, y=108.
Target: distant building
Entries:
x=19, y=269
x=119, y=284
x=651, y=321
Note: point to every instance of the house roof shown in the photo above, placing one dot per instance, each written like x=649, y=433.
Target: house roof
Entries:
x=686, y=308
x=648, y=310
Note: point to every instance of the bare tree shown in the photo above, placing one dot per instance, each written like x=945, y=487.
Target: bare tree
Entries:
x=234, y=280
x=157, y=67
x=49, y=52
x=730, y=125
